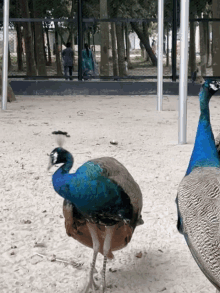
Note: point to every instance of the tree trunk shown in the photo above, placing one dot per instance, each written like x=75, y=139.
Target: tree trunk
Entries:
x=29, y=48
x=202, y=48
x=168, y=49
x=207, y=38
x=212, y=51
x=19, y=46
x=216, y=38
x=145, y=42
x=44, y=45
x=145, y=32
x=71, y=39
x=49, y=61
x=121, y=49
x=104, y=29
x=34, y=42
x=192, y=50
x=114, y=50
x=19, y=39
x=58, y=62
x=39, y=44
x=127, y=45
x=71, y=36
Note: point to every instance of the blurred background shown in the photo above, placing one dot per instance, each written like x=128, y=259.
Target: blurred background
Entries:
x=121, y=34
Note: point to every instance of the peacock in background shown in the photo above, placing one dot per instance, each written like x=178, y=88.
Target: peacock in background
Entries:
x=102, y=204
x=198, y=197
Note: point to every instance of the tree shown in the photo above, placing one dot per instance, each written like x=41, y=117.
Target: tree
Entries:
x=19, y=46
x=29, y=48
x=192, y=46
x=203, y=53
x=114, y=50
x=145, y=41
x=216, y=38
x=49, y=61
x=39, y=41
x=104, y=30
x=121, y=49
x=58, y=62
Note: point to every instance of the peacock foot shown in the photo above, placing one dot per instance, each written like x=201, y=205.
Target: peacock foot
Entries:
x=91, y=285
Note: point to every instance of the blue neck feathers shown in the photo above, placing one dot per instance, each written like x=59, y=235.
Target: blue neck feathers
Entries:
x=204, y=153
x=68, y=164
x=62, y=174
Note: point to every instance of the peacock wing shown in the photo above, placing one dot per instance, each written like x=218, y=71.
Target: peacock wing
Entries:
x=199, y=219
x=75, y=224
x=117, y=173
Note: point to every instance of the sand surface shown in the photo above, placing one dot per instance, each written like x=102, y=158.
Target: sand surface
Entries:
x=31, y=217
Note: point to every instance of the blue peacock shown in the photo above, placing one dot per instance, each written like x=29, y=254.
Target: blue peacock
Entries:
x=102, y=204
x=198, y=197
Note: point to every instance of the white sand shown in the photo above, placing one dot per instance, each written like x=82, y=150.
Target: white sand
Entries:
x=31, y=211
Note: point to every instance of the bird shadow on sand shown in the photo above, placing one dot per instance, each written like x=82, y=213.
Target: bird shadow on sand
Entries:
x=150, y=273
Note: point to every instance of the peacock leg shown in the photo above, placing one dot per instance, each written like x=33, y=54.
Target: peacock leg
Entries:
x=93, y=231
x=106, y=248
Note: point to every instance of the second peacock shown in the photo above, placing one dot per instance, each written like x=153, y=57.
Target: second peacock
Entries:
x=198, y=198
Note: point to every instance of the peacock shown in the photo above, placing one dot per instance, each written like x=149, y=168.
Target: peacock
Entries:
x=198, y=197
x=102, y=204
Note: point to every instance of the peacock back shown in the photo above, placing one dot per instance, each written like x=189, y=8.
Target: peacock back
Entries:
x=199, y=206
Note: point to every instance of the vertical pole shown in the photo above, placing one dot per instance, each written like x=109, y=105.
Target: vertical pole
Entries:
x=174, y=38
x=80, y=39
x=160, y=55
x=5, y=56
x=184, y=28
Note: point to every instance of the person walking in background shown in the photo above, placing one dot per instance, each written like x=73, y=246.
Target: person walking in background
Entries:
x=68, y=58
x=88, y=65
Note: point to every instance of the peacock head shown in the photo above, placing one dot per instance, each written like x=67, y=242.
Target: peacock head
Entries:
x=60, y=155
x=211, y=85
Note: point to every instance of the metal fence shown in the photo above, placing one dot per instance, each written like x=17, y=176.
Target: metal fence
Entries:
x=122, y=47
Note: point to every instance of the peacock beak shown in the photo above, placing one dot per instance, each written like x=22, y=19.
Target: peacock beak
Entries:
x=50, y=164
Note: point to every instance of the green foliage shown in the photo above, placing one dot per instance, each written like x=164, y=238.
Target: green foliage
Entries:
x=117, y=8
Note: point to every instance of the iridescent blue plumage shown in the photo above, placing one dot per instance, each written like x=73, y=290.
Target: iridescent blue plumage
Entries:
x=204, y=153
x=94, y=195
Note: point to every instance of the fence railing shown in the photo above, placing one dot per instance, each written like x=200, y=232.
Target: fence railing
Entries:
x=136, y=54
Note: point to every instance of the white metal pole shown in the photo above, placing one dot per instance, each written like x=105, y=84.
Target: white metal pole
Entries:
x=5, y=55
x=183, y=82
x=160, y=55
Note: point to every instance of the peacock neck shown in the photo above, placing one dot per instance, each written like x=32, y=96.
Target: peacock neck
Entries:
x=204, y=153
x=65, y=168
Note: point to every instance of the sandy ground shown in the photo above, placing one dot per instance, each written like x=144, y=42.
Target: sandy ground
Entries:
x=31, y=218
